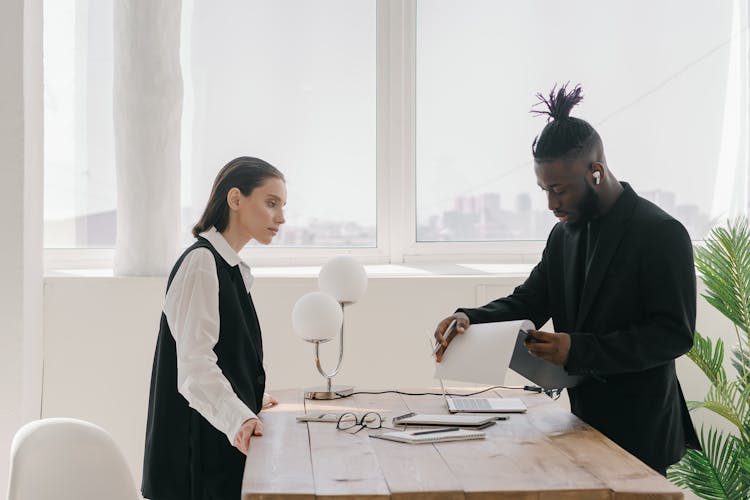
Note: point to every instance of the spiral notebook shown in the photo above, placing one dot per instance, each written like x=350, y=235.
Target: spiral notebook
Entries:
x=416, y=437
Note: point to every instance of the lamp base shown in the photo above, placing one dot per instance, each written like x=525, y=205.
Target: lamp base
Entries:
x=325, y=392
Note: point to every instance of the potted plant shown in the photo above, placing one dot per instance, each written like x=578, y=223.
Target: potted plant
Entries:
x=722, y=468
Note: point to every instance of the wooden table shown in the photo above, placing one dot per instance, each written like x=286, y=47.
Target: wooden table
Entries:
x=545, y=453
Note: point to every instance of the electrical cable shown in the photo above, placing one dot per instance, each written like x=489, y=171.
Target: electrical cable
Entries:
x=403, y=393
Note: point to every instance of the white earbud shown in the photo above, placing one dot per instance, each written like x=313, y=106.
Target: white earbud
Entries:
x=597, y=177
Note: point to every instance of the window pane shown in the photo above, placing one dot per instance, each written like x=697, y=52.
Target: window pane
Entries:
x=79, y=173
x=657, y=79
x=291, y=82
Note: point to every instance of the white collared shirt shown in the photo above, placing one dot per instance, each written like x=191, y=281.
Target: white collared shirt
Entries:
x=192, y=310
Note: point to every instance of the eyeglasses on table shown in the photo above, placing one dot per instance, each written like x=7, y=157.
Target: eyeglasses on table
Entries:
x=348, y=421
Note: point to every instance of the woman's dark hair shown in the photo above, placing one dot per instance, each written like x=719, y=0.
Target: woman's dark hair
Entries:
x=245, y=173
x=564, y=136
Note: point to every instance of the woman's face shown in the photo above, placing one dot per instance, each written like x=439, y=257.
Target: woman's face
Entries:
x=260, y=215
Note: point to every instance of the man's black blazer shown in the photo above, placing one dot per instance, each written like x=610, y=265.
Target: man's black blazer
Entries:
x=632, y=316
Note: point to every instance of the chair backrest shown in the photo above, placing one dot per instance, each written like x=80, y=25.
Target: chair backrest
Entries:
x=67, y=459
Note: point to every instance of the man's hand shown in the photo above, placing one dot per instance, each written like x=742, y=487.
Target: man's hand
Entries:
x=250, y=427
x=552, y=347
x=462, y=323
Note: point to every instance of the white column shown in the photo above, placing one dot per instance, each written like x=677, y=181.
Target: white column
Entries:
x=21, y=195
x=147, y=114
x=731, y=185
x=396, y=114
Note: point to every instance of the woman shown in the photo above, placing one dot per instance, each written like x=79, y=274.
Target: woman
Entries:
x=207, y=380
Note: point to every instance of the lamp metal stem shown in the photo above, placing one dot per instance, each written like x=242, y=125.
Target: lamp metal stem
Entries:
x=341, y=349
x=331, y=392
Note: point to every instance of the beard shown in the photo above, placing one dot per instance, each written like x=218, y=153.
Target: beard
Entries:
x=587, y=208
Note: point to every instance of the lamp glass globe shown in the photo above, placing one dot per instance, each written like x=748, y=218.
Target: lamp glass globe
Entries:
x=317, y=317
x=344, y=278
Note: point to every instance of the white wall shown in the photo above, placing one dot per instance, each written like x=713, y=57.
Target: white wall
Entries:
x=100, y=335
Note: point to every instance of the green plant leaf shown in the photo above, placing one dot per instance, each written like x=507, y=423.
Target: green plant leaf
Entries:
x=709, y=359
x=694, y=405
x=729, y=401
x=716, y=472
x=744, y=459
x=724, y=265
x=741, y=362
x=722, y=469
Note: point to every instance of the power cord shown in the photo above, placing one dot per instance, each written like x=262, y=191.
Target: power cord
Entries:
x=530, y=388
x=552, y=393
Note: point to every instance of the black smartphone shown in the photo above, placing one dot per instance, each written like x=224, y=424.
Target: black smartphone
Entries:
x=529, y=338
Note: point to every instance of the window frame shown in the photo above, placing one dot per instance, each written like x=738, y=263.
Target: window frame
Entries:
x=396, y=235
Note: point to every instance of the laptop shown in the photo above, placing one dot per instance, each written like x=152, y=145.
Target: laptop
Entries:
x=482, y=405
x=481, y=355
x=542, y=373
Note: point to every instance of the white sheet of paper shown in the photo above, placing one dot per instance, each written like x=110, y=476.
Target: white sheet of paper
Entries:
x=482, y=354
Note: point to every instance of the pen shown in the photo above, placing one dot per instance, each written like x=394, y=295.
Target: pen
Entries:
x=447, y=332
x=433, y=431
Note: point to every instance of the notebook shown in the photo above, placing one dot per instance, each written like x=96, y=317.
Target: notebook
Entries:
x=328, y=417
x=417, y=437
x=477, y=421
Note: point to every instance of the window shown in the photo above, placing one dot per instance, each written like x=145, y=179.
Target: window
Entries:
x=291, y=82
x=665, y=84
x=79, y=172
x=302, y=85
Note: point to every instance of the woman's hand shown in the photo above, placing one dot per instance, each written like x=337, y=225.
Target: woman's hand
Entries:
x=250, y=427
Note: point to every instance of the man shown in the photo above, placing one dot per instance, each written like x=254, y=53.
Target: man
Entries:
x=617, y=278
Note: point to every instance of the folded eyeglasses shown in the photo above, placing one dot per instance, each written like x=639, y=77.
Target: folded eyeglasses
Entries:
x=348, y=421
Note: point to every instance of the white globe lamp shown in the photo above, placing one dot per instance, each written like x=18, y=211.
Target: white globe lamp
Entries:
x=344, y=278
x=318, y=315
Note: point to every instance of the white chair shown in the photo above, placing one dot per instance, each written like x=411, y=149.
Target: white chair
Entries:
x=67, y=459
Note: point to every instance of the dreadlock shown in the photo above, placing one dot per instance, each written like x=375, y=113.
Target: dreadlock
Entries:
x=564, y=136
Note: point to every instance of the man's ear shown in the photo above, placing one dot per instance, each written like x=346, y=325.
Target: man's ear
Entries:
x=597, y=172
